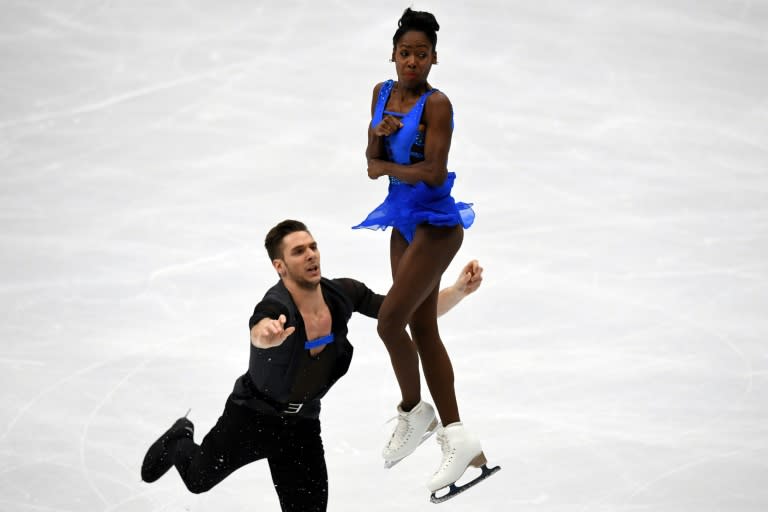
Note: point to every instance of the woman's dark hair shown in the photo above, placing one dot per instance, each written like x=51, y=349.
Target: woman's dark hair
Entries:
x=417, y=20
x=274, y=240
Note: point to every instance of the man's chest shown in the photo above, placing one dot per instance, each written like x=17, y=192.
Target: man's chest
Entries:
x=316, y=325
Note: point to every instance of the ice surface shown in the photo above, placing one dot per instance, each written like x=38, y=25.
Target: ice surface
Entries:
x=615, y=359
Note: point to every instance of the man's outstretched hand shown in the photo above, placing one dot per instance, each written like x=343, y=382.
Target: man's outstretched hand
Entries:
x=269, y=333
x=470, y=278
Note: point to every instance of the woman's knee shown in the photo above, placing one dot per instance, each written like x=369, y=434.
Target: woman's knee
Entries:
x=423, y=326
x=390, y=328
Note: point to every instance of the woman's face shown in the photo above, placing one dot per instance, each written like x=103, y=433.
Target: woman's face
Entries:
x=413, y=56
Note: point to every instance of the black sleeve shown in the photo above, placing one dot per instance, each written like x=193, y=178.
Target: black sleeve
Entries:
x=364, y=301
x=267, y=308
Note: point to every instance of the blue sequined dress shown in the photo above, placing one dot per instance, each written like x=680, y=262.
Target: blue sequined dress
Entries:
x=406, y=206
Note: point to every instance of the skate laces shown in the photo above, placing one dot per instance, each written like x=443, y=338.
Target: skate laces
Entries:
x=401, y=431
x=442, y=440
x=446, y=448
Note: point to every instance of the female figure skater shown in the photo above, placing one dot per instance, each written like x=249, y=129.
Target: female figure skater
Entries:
x=408, y=140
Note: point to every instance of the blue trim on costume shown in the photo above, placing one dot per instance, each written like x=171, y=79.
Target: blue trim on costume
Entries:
x=319, y=342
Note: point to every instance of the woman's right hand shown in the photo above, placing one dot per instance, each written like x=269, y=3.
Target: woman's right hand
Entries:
x=387, y=126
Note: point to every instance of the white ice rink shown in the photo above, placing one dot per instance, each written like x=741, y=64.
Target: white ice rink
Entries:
x=616, y=358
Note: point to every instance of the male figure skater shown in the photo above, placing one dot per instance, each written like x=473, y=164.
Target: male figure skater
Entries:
x=299, y=349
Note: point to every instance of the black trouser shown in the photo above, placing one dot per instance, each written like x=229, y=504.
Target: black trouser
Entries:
x=291, y=445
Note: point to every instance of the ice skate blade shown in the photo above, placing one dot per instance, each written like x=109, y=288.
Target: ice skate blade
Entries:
x=454, y=490
x=389, y=463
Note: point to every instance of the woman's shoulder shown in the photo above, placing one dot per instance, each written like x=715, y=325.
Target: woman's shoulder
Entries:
x=377, y=88
x=438, y=100
x=437, y=96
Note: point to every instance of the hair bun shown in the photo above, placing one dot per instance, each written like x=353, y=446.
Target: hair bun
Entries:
x=421, y=20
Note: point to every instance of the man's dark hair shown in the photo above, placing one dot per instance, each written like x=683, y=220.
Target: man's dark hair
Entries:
x=274, y=240
x=417, y=20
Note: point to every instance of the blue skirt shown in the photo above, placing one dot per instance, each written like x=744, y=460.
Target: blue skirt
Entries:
x=406, y=206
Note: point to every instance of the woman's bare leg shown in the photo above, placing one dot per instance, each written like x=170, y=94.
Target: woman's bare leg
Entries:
x=416, y=272
x=435, y=361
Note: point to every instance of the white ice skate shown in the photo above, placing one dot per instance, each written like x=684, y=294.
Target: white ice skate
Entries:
x=412, y=429
x=460, y=450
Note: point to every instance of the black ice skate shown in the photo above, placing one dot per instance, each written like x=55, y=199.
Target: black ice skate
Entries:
x=159, y=457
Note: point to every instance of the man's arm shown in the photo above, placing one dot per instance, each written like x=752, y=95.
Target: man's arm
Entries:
x=469, y=280
x=367, y=302
x=267, y=324
x=269, y=333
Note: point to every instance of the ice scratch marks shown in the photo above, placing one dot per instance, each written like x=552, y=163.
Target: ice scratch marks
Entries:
x=58, y=384
x=189, y=266
x=87, y=472
x=124, y=97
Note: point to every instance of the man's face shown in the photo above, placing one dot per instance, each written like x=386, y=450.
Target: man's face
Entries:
x=300, y=263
